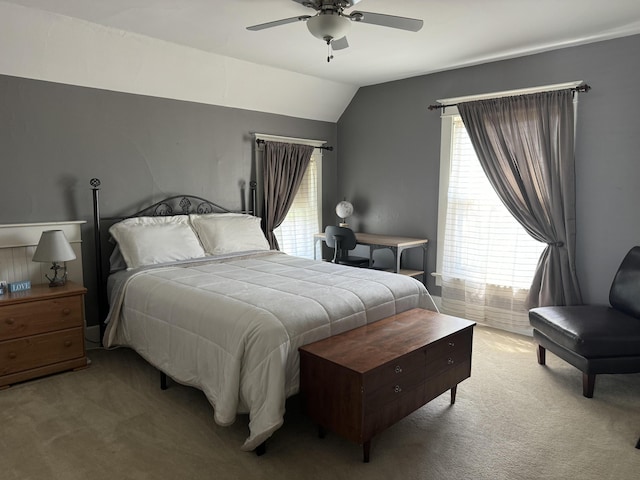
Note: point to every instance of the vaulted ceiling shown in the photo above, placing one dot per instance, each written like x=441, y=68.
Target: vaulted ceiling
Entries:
x=455, y=33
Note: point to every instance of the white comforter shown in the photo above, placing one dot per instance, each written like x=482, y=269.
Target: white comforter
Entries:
x=232, y=326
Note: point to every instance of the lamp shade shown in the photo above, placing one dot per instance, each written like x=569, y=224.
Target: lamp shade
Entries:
x=328, y=26
x=344, y=209
x=53, y=247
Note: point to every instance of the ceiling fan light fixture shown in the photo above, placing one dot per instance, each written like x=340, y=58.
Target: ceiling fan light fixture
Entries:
x=328, y=26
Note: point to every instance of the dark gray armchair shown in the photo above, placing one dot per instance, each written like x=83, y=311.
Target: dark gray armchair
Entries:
x=596, y=338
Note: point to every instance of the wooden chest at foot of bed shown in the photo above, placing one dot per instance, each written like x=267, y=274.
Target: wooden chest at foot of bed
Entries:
x=360, y=382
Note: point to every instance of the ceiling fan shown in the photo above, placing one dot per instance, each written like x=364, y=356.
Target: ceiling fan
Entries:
x=331, y=22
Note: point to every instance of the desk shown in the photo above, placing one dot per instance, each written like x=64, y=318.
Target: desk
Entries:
x=396, y=244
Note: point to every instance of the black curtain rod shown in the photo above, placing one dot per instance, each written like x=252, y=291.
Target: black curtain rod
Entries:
x=579, y=88
x=260, y=141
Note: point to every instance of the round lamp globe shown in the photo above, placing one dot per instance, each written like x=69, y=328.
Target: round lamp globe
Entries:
x=344, y=209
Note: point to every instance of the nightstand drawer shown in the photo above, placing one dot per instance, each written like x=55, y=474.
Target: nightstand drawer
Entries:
x=31, y=318
x=37, y=350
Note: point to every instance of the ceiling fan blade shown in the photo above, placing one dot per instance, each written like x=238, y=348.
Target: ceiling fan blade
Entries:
x=403, y=23
x=277, y=23
x=340, y=44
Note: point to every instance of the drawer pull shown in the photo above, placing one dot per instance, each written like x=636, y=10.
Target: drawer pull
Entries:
x=398, y=369
x=397, y=389
x=10, y=321
x=67, y=343
x=12, y=355
x=450, y=361
x=66, y=311
x=452, y=344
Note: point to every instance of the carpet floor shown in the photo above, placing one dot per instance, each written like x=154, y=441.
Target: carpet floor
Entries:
x=513, y=419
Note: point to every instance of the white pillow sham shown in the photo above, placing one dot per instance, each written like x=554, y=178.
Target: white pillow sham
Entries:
x=222, y=233
x=152, y=240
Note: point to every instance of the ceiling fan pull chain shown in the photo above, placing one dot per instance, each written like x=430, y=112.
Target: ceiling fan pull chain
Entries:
x=329, y=51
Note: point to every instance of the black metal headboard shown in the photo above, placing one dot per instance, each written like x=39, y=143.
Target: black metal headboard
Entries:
x=179, y=205
x=175, y=205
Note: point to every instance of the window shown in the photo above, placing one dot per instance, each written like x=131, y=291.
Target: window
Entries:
x=482, y=239
x=304, y=219
x=486, y=259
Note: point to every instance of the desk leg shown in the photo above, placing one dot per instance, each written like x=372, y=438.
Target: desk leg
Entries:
x=424, y=264
x=397, y=254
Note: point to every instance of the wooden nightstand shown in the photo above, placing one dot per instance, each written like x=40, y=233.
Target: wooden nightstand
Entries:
x=41, y=332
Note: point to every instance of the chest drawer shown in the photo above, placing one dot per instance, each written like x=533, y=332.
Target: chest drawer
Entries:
x=448, y=352
x=48, y=348
x=393, y=379
x=32, y=318
x=394, y=391
x=401, y=369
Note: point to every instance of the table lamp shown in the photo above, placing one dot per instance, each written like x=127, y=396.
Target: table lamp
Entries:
x=344, y=209
x=55, y=248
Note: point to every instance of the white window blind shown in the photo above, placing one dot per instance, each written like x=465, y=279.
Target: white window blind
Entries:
x=488, y=258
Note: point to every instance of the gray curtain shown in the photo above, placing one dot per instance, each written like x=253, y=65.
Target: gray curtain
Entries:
x=283, y=169
x=526, y=147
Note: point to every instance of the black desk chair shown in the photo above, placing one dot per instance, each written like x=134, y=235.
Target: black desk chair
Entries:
x=343, y=240
x=596, y=338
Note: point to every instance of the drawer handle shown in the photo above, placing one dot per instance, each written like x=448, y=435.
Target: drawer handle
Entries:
x=452, y=344
x=397, y=389
x=12, y=355
x=66, y=311
x=10, y=321
x=450, y=361
x=398, y=369
x=67, y=343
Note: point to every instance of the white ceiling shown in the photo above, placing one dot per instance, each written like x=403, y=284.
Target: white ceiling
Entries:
x=455, y=33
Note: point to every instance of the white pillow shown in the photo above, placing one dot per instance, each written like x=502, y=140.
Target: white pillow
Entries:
x=151, y=240
x=229, y=232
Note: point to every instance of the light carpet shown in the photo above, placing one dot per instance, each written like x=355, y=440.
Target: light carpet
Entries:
x=513, y=419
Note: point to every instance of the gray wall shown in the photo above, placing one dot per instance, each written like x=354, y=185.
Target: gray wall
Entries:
x=390, y=145
x=54, y=138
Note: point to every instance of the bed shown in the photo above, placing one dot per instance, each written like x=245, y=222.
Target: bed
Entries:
x=198, y=294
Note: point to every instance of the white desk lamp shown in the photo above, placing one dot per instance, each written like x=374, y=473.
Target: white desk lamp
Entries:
x=344, y=210
x=55, y=248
